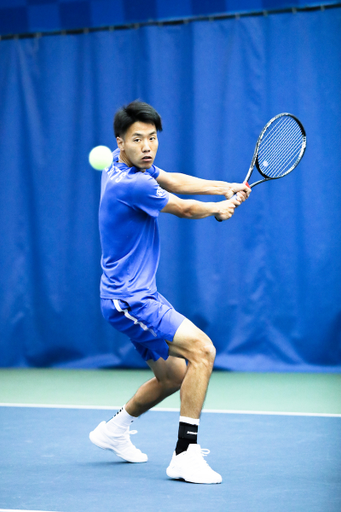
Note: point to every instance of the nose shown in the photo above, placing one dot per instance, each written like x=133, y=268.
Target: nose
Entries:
x=146, y=147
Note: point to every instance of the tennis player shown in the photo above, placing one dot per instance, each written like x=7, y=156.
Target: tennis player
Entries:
x=134, y=192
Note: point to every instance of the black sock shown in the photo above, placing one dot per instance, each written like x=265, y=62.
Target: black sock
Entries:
x=188, y=434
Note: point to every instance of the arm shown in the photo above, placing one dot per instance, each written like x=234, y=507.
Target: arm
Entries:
x=178, y=183
x=191, y=209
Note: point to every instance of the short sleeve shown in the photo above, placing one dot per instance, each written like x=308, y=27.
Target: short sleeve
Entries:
x=153, y=171
x=148, y=195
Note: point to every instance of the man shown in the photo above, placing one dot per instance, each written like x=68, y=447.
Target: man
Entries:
x=134, y=192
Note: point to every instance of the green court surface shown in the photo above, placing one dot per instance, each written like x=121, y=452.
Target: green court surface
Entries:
x=232, y=391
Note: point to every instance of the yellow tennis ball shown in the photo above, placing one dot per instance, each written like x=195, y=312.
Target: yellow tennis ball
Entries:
x=100, y=157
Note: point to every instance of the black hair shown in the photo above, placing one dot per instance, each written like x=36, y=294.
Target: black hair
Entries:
x=135, y=111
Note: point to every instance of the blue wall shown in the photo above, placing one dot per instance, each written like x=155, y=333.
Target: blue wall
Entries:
x=266, y=285
x=29, y=16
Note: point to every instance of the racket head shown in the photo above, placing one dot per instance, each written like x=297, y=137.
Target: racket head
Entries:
x=280, y=147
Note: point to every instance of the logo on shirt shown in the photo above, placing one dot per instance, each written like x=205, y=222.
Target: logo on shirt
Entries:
x=120, y=176
x=116, y=174
x=160, y=192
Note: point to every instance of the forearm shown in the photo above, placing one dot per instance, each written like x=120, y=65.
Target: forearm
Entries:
x=184, y=184
x=192, y=209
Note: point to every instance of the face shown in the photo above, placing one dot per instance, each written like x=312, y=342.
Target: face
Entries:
x=139, y=145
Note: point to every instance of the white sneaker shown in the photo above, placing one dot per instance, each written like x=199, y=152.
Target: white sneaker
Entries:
x=120, y=444
x=192, y=467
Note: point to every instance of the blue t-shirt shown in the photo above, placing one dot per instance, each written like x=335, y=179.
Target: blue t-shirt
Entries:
x=131, y=201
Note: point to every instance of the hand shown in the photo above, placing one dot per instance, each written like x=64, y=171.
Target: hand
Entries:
x=227, y=209
x=234, y=188
x=241, y=196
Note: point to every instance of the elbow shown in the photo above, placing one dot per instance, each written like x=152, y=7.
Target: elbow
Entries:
x=182, y=211
x=187, y=212
x=185, y=209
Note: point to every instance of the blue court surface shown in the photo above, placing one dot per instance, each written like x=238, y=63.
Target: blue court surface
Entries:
x=277, y=463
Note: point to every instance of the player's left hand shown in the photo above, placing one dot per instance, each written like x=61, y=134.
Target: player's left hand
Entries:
x=242, y=196
x=238, y=188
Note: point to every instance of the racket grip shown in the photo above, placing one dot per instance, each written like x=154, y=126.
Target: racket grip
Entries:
x=234, y=195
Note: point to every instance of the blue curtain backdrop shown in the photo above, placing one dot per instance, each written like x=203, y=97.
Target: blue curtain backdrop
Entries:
x=266, y=285
x=30, y=16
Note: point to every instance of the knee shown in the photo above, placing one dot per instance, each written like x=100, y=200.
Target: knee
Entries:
x=173, y=384
x=173, y=380
x=204, y=352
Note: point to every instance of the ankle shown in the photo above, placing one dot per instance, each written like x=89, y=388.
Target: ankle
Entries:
x=188, y=434
x=121, y=421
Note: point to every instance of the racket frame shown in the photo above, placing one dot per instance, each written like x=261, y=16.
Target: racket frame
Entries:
x=254, y=161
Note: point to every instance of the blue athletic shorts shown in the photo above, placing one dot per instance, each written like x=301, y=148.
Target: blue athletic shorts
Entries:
x=148, y=323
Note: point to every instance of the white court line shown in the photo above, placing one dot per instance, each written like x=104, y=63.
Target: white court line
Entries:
x=172, y=409
x=21, y=510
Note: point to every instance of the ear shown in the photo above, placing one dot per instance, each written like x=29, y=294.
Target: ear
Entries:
x=120, y=143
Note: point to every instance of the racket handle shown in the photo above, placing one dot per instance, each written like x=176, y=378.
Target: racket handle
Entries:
x=234, y=195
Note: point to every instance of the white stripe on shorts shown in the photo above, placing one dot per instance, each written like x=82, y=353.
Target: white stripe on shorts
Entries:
x=130, y=317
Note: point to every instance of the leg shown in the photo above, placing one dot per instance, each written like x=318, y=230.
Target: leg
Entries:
x=189, y=343
x=187, y=462
x=192, y=344
x=114, y=435
x=168, y=378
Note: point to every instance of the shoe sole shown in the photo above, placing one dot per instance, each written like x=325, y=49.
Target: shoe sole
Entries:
x=173, y=474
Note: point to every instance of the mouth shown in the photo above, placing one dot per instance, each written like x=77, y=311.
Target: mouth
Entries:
x=147, y=159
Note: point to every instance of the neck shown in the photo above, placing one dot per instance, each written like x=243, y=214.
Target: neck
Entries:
x=124, y=160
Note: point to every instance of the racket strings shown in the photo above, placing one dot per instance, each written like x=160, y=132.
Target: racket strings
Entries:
x=282, y=134
x=289, y=147
x=282, y=159
x=280, y=147
x=284, y=162
x=280, y=127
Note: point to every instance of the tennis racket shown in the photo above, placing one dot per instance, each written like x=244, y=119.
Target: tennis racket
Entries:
x=279, y=149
